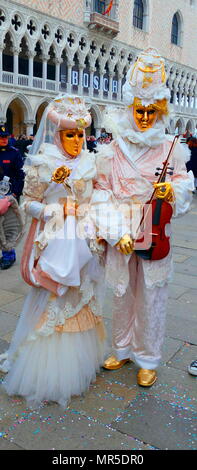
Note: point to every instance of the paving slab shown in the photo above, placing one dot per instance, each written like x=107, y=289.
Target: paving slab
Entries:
x=175, y=291
x=177, y=327
x=7, y=297
x=159, y=423
x=3, y=345
x=65, y=430
x=175, y=386
x=185, y=280
x=189, y=297
x=183, y=357
x=171, y=347
x=7, y=323
x=184, y=309
x=115, y=413
x=14, y=307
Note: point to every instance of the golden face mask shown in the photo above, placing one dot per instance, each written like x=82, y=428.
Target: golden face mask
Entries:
x=72, y=141
x=144, y=116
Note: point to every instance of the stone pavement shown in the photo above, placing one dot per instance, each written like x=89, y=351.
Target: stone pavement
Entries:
x=117, y=414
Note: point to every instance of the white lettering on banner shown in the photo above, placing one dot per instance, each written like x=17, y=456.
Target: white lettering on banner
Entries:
x=114, y=86
x=96, y=81
x=75, y=79
x=105, y=84
x=86, y=80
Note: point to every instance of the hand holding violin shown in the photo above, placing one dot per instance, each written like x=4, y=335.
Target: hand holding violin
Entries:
x=164, y=191
x=125, y=245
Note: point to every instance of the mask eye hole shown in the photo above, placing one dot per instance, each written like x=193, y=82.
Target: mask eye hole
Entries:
x=140, y=111
x=70, y=135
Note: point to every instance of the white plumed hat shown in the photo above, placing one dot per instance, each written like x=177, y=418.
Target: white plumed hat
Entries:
x=146, y=79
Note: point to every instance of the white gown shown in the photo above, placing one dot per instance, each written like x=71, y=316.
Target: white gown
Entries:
x=58, y=345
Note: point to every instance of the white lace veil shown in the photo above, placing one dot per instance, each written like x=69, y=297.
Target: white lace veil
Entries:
x=45, y=133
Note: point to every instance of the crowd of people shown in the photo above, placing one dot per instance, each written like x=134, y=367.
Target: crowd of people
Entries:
x=21, y=142
x=92, y=141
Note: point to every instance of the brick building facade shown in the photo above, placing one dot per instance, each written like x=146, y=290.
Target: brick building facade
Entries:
x=47, y=47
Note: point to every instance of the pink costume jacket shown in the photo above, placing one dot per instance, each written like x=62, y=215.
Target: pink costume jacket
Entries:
x=125, y=173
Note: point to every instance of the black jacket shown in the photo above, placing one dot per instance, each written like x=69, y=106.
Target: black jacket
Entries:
x=11, y=162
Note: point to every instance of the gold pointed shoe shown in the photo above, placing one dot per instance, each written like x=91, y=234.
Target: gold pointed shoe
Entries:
x=113, y=364
x=146, y=377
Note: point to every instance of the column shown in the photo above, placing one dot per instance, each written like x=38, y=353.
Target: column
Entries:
x=119, y=96
x=1, y=64
x=69, y=84
x=101, y=85
x=190, y=100
x=175, y=97
x=195, y=100
x=110, y=86
x=44, y=71
x=185, y=99
x=31, y=55
x=16, y=54
x=80, y=86
x=57, y=74
x=91, y=82
x=29, y=127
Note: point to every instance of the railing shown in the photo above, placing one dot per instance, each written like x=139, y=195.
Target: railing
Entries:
x=7, y=77
x=37, y=82
x=23, y=80
x=51, y=85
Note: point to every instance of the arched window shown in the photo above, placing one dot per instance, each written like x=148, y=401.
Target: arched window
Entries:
x=175, y=30
x=138, y=14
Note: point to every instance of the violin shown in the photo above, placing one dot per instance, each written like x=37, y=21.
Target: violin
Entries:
x=161, y=212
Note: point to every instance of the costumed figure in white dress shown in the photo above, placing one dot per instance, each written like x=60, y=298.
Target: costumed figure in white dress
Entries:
x=58, y=344
x=125, y=182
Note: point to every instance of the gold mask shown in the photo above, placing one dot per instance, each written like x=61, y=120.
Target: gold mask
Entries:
x=144, y=116
x=72, y=141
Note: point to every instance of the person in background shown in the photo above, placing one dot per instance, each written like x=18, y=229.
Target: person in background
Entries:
x=192, y=163
x=91, y=143
x=12, y=140
x=11, y=163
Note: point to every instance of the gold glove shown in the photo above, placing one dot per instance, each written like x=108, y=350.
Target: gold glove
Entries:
x=125, y=245
x=164, y=191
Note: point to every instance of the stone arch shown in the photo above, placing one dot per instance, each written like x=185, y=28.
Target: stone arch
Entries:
x=97, y=119
x=190, y=126
x=179, y=125
x=39, y=112
x=172, y=127
x=18, y=110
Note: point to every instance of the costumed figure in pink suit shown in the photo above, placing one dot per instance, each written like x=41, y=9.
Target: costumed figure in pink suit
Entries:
x=125, y=181
x=58, y=344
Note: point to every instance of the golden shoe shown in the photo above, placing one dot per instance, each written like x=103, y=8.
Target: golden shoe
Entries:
x=112, y=363
x=146, y=377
